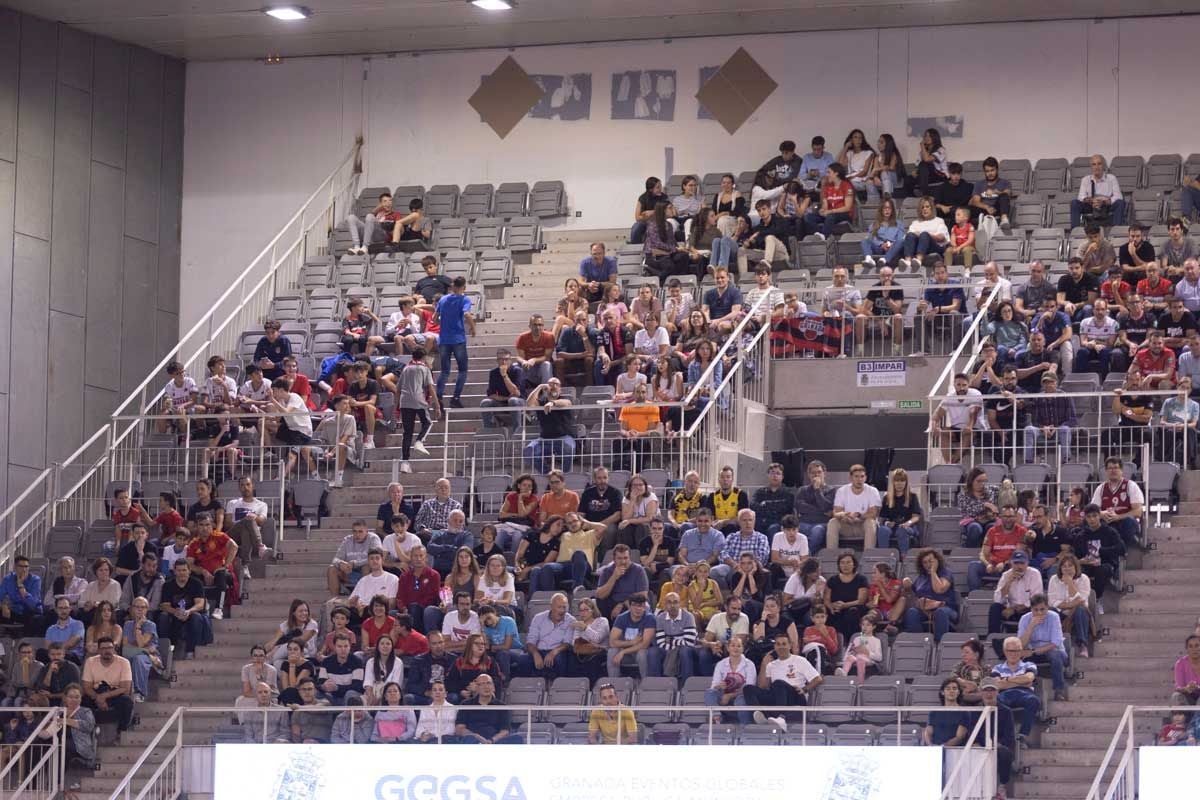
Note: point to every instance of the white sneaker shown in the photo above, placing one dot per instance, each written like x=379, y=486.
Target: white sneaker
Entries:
x=405, y=467
x=245, y=573
x=906, y=263
x=778, y=722
x=218, y=614
x=841, y=673
x=820, y=237
x=338, y=481
x=420, y=447
x=916, y=261
x=368, y=444
x=1004, y=223
x=868, y=261
x=138, y=697
x=760, y=718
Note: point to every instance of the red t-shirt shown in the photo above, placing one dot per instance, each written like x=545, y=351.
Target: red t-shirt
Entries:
x=414, y=644
x=372, y=633
x=168, y=522
x=962, y=233
x=1149, y=363
x=835, y=196
x=302, y=387
x=528, y=348
x=1162, y=289
x=427, y=323
x=1003, y=542
x=1108, y=287
x=210, y=554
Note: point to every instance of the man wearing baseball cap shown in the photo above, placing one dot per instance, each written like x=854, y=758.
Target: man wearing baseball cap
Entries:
x=1014, y=594
x=1005, y=736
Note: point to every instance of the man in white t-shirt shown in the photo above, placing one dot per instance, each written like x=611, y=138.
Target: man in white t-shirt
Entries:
x=720, y=629
x=248, y=518
x=374, y=581
x=339, y=431
x=460, y=623
x=789, y=548
x=855, y=510
x=295, y=426
x=1098, y=342
x=255, y=394
x=784, y=680
x=958, y=417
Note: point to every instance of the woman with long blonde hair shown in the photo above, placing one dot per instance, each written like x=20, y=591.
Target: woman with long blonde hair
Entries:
x=900, y=515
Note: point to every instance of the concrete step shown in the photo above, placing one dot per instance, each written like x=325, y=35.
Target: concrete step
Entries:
x=1121, y=695
x=1060, y=790
x=1154, y=575
x=1139, y=613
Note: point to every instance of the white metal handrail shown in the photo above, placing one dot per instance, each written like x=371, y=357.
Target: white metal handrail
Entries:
x=972, y=339
x=1124, y=773
x=24, y=529
x=50, y=764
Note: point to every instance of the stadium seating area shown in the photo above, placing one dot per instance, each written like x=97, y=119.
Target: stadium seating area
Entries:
x=490, y=236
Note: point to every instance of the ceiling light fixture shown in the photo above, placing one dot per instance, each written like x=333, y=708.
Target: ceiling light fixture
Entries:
x=494, y=5
x=288, y=13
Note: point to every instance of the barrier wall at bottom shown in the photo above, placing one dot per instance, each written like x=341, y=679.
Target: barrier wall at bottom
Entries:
x=566, y=772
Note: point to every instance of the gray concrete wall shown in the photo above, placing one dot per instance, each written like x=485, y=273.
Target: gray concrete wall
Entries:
x=91, y=173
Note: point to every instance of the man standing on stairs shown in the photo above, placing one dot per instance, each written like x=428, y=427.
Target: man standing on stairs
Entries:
x=1120, y=502
x=456, y=321
x=1041, y=632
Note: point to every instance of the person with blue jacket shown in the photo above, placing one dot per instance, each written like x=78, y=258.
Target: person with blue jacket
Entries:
x=21, y=597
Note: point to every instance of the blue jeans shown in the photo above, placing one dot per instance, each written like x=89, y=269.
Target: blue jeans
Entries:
x=546, y=577
x=813, y=221
x=1025, y=699
x=890, y=258
x=976, y=571
x=815, y=531
x=524, y=665
x=921, y=245
x=637, y=234
x=1062, y=439
x=1129, y=529
x=1084, y=357
x=712, y=698
x=944, y=618
x=1081, y=625
x=1077, y=209
x=724, y=250
x=649, y=662
x=972, y=534
x=541, y=453
x=904, y=536
x=140, y=666
x=459, y=351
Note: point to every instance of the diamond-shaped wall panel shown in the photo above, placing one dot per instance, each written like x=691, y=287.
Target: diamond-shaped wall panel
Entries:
x=736, y=90
x=505, y=96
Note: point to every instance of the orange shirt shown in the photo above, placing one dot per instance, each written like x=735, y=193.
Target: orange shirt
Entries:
x=209, y=555
x=640, y=418
x=552, y=505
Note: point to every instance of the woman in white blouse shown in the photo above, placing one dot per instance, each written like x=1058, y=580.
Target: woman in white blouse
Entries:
x=1068, y=595
x=382, y=668
x=858, y=158
x=496, y=586
x=926, y=235
x=104, y=588
x=437, y=718
x=730, y=675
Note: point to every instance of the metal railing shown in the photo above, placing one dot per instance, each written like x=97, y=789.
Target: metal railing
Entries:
x=161, y=771
x=818, y=327
x=55, y=492
x=34, y=768
x=1117, y=777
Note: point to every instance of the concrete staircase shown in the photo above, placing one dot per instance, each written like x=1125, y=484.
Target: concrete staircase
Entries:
x=1132, y=665
x=213, y=678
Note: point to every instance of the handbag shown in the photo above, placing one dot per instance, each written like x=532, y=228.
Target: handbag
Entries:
x=391, y=728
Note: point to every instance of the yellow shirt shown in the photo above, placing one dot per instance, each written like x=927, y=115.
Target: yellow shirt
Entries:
x=601, y=720
x=583, y=540
x=726, y=506
x=682, y=506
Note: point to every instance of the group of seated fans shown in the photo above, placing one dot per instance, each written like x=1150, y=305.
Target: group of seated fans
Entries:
x=727, y=584
x=164, y=576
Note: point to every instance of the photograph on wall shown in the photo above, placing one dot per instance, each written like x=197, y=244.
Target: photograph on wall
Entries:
x=705, y=73
x=644, y=94
x=567, y=97
x=564, y=97
x=950, y=127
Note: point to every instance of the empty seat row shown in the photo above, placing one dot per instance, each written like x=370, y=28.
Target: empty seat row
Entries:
x=546, y=199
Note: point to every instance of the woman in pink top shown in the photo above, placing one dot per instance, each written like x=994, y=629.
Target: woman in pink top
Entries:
x=1187, y=674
